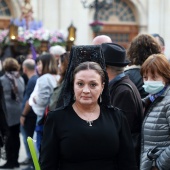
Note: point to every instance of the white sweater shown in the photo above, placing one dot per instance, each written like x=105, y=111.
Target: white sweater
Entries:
x=42, y=93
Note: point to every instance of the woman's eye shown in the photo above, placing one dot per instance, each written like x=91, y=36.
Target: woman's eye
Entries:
x=93, y=85
x=155, y=77
x=80, y=84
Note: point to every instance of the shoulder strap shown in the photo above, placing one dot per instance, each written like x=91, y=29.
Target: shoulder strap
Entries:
x=135, y=97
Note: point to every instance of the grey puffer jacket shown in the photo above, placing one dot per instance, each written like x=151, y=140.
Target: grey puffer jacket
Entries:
x=156, y=133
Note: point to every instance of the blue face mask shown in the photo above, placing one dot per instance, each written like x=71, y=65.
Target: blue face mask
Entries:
x=153, y=87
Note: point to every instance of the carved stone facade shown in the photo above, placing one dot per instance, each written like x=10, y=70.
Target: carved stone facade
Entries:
x=137, y=16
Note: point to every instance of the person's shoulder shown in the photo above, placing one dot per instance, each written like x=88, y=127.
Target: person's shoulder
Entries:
x=116, y=113
x=126, y=83
x=33, y=79
x=43, y=79
x=46, y=77
x=4, y=80
x=132, y=72
x=166, y=94
x=129, y=83
x=132, y=68
x=43, y=76
x=21, y=79
x=112, y=110
x=2, y=77
x=59, y=112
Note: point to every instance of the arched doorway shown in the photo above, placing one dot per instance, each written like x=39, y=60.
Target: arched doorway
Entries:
x=120, y=22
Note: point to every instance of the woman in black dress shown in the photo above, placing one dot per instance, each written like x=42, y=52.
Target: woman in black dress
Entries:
x=86, y=132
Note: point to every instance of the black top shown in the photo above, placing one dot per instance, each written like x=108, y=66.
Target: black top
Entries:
x=71, y=144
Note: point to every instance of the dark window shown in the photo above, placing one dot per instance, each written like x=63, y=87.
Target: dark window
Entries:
x=4, y=10
x=120, y=9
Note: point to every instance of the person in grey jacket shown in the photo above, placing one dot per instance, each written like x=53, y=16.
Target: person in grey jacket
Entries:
x=155, y=146
x=13, y=89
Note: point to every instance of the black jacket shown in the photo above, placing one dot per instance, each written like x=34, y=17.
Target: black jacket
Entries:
x=128, y=100
x=123, y=98
x=135, y=76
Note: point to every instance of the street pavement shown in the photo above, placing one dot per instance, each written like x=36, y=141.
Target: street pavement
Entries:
x=22, y=156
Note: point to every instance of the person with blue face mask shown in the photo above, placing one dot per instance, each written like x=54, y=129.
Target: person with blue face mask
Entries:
x=155, y=146
x=153, y=87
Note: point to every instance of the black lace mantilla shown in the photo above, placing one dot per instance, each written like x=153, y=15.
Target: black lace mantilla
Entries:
x=78, y=55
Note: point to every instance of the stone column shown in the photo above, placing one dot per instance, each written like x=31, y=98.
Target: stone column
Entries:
x=48, y=12
x=158, y=20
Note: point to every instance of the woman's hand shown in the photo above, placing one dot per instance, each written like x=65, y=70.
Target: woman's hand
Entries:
x=22, y=120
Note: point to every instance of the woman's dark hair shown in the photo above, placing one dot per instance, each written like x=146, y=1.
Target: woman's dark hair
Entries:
x=78, y=56
x=49, y=64
x=20, y=59
x=157, y=63
x=11, y=64
x=90, y=66
x=64, y=58
x=141, y=47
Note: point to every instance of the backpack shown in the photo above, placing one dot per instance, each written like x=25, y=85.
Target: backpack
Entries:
x=54, y=98
x=52, y=105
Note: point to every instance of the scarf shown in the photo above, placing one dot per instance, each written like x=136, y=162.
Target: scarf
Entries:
x=12, y=76
x=152, y=97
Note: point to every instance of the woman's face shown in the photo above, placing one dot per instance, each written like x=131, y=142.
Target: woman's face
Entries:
x=151, y=77
x=60, y=67
x=87, y=87
x=39, y=67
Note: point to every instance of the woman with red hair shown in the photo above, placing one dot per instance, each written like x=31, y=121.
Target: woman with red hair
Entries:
x=155, y=148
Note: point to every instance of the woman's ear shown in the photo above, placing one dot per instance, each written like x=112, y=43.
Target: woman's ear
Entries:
x=103, y=86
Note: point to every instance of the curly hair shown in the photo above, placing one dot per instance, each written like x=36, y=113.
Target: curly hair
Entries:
x=141, y=47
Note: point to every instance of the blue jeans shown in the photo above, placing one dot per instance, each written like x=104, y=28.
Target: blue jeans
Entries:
x=39, y=131
x=28, y=130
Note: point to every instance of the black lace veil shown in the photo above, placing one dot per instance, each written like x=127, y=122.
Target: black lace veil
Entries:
x=78, y=55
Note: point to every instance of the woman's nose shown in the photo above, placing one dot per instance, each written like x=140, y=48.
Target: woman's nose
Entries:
x=150, y=79
x=86, y=89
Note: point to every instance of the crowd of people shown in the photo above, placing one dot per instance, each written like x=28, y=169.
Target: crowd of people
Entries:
x=99, y=106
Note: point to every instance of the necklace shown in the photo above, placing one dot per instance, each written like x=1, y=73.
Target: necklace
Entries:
x=80, y=113
x=90, y=122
